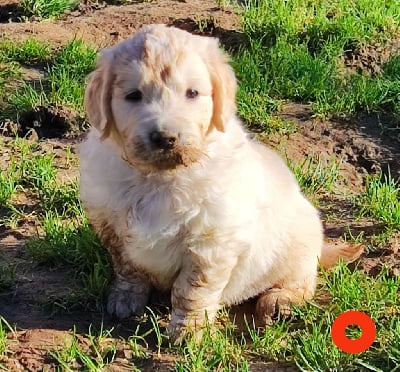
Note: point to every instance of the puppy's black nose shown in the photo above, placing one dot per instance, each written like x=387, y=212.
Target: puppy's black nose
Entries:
x=163, y=140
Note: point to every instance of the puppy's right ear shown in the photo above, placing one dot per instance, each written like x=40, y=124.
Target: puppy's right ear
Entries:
x=98, y=95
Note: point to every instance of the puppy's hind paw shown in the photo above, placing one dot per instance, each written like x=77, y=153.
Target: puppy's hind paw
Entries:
x=126, y=299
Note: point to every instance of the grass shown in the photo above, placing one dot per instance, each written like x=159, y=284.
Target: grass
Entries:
x=5, y=329
x=306, y=338
x=66, y=237
x=29, y=51
x=316, y=176
x=218, y=351
x=7, y=187
x=295, y=51
x=64, y=80
x=68, y=73
x=73, y=244
x=3, y=339
x=381, y=200
x=8, y=72
x=320, y=22
x=54, y=8
x=7, y=332
x=101, y=352
x=7, y=276
x=349, y=290
x=47, y=8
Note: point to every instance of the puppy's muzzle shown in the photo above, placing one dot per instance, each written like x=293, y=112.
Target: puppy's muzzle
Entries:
x=163, y=140
x=162, y=150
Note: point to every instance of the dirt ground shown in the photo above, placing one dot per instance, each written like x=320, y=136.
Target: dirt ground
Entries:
x=102, y=25
x=361, y=145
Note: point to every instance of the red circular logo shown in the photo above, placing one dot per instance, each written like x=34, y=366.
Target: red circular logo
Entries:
x=348, y=345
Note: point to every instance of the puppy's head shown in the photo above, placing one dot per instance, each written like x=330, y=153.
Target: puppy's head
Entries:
x=159, y=94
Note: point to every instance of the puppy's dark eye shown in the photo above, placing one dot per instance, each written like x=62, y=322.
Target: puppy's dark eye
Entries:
x=136, y=95
x=192, y=93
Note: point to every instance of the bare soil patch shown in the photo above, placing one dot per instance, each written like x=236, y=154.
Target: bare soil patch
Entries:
x=106, y=25
x=361, y=146
x=369, y=59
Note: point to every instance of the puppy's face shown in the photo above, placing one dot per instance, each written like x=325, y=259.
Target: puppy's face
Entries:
x=159, y=94
x=162, y=109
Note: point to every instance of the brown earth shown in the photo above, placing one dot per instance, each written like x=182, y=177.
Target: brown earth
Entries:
x=361, y=145
x=102, y=25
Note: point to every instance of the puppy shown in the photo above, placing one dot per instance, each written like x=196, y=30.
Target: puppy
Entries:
x=178, y=193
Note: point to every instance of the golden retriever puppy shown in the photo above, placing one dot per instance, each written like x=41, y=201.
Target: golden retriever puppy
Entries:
x=179, y=194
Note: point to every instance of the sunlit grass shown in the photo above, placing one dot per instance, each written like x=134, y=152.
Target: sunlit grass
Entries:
x=63, y=81
x=294, y=52
x=47, y=8
x=29, y=51
x=381, y=200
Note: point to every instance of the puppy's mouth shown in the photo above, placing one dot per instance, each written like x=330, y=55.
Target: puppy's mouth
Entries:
x=144, y=157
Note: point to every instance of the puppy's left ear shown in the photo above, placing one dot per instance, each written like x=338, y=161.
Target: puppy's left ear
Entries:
x=223, y=84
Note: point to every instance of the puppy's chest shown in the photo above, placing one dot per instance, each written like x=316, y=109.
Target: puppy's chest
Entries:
x=162, y=212
x=160, y=228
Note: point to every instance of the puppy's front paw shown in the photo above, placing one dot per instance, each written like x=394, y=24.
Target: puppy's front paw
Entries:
x=126, y=298
x=271, y=303
x=177, y=333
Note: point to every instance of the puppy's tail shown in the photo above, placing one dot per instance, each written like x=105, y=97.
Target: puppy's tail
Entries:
x=332, y=253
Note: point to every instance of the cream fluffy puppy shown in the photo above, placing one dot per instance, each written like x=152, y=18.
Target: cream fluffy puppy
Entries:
x=179, y=194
